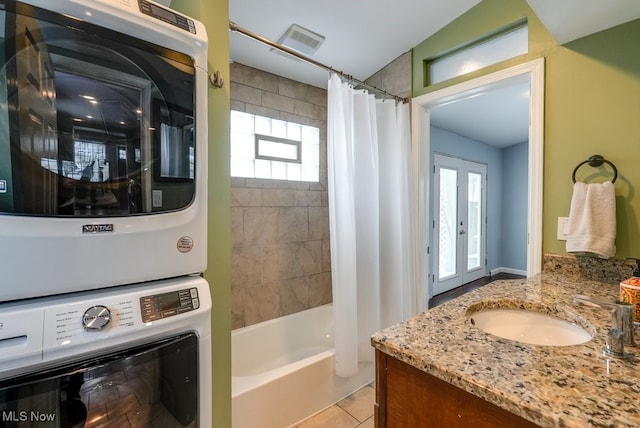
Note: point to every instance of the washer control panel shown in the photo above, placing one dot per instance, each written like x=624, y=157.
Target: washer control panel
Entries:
x=66, y=326
x=166, y=305
x=81, y=321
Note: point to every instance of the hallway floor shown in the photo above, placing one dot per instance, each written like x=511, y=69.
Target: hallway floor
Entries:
x=356, y=411
x=459, y=291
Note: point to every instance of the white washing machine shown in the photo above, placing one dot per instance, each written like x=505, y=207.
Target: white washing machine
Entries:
x=137, y=356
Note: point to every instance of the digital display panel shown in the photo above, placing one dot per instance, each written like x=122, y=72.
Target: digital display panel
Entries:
x=167, y=301
x=168, y=304
x=167, y=16
x=164, y=14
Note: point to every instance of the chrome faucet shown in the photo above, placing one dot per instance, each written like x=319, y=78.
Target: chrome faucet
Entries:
x=622, y=330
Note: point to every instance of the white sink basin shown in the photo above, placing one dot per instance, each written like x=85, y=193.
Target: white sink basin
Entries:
x=528, y=326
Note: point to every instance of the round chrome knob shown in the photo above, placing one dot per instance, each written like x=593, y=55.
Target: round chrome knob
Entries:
x=96, y=317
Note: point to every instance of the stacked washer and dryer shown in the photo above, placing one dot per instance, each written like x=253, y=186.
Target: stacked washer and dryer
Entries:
x=104, y=314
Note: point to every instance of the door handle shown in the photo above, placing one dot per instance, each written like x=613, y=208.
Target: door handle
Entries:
x=462, y=232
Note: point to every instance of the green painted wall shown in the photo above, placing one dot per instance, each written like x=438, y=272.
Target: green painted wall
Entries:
x=215, y=15
x=592, y=106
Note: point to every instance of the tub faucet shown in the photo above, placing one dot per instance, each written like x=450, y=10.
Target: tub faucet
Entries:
x=622, y=330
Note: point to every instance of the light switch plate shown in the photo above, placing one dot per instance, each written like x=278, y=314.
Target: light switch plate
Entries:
x=562, y=224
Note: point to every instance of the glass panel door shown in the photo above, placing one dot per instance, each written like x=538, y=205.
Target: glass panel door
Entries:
x=475, y=238
x=448, y=216
x=474, y=220
x=460, y=219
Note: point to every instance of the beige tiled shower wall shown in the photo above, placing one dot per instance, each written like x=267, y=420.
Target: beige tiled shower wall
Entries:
x=280, y=229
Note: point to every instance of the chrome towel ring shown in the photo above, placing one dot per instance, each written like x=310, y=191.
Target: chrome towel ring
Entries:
x=596, y=161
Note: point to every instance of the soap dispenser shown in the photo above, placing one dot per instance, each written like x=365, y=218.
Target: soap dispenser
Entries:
x=630, y=292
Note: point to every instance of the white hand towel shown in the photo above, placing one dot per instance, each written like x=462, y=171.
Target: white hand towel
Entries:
x=592, y=219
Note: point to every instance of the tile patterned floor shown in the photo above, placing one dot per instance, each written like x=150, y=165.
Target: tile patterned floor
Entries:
x=355, y=411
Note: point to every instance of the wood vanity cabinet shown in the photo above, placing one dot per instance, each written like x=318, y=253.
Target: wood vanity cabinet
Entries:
x=410, y=398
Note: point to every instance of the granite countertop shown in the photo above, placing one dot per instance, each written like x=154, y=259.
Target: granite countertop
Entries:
x=567, y=386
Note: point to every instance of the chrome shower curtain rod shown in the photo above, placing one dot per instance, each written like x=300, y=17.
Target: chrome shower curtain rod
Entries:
x=236, y=28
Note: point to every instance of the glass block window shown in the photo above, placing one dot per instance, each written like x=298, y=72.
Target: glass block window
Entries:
x=262, y=147
x=476, y=56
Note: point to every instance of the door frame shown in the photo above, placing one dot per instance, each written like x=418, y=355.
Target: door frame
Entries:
x=533, y=71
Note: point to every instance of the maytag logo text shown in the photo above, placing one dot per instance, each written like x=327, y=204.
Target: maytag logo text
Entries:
x=97, y=228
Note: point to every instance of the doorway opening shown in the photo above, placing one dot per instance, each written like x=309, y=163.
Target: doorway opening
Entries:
x=533, y=74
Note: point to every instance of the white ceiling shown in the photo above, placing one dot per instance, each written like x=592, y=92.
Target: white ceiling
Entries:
x=499, y=117
x=364, y=36
x=569, y=20
x=361, y=36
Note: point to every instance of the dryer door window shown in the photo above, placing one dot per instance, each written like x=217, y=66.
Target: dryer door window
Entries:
x=151, y=385
x=93, y=123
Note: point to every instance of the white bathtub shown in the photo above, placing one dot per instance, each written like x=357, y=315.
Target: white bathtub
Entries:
x=283, y=370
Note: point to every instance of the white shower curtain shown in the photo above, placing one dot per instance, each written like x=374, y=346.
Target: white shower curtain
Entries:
x=369, y=216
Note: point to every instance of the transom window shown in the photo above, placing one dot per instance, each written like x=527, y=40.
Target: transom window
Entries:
x=263, y=147
x=503, y=46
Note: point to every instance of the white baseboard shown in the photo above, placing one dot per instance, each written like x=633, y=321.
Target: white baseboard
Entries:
x=508, y=270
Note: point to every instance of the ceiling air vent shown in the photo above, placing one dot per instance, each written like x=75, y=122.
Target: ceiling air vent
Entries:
x=302, y=40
